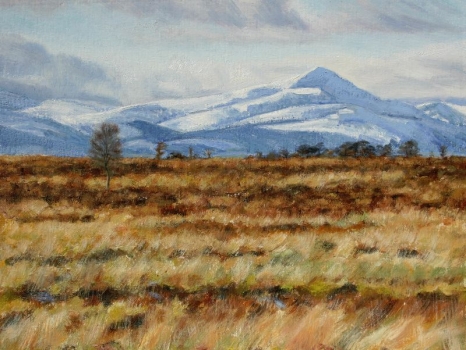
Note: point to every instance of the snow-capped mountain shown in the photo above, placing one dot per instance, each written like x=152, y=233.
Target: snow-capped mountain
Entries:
x=445, y=112
x=13, y=102
x=318, y=107
x=344, y=91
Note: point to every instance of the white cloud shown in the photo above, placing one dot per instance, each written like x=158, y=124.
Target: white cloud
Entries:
x=430, y=71
x=27, y=68
x=436, y=70
x=173, y=48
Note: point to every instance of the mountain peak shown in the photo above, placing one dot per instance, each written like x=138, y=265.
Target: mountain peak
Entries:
x=319, y=77
x=342, y=90
x=323, y=71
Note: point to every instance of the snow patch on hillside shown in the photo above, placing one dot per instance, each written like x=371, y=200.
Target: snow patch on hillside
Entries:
x=66, y=111
x=458, y=108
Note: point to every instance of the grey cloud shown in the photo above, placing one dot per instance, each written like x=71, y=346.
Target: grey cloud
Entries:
x=34, y=92
x=276, y=13
x=399, y=16
x=457, y=67
x=233, y=13
x=413, y=16
x=27, y=68
x=410, y=16
x=447, y=73
x=43, y=6
x=434, y=71
x=230, y=13
x=222, y=12
x=404, y=23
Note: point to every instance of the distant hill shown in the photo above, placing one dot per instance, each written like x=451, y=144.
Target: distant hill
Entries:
x=320, y=106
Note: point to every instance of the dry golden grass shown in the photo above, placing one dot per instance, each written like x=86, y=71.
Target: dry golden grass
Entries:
x=233, y=254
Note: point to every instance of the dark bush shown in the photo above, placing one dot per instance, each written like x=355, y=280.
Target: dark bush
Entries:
x=306, y=150
x=356, y=149
x=409, y=148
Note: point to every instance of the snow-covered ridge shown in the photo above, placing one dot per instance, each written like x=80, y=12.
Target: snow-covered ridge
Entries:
x=445, y=112
x=65, y=111
x=318, y=106
x=11, y=101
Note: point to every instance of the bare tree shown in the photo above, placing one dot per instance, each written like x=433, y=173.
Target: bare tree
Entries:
x=386, y=150
x=160, y=150
x=191, y=152
x=443, y=149
x=208, y=153
x=106, y=147
x=284, y=153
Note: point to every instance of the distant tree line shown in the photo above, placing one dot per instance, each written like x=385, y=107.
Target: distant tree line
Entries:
x=356, y=149
x=348, y=149
x=106, y=149
x=160, y=153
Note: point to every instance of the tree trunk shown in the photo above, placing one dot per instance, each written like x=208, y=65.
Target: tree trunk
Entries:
x=108, y=177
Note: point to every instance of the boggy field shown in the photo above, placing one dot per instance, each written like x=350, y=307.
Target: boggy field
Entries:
x=233, y=254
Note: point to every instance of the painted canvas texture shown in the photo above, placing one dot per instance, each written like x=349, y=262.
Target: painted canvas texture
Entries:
x=232, y=174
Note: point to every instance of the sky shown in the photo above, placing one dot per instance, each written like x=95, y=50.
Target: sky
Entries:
x=136, y=51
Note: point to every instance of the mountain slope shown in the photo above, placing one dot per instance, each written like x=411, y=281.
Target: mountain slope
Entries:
x=22, y=134
x=12, y=102
x=344, y=91
x=445, y=112
x=318, y=107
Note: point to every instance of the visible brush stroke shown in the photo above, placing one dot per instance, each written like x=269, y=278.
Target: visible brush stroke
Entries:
x=318, y=107
x=290, y=174
x=209, y=253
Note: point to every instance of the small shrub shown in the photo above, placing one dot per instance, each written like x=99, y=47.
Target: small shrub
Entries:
x=128, y=322
x=18, y=258
x=347, y=288
x=407, y=253
x=364, y=249
x=56, y=260
x=175, y=209
x=326, y=245
x=178, y=253
x=104, y=255
x=106, y=296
